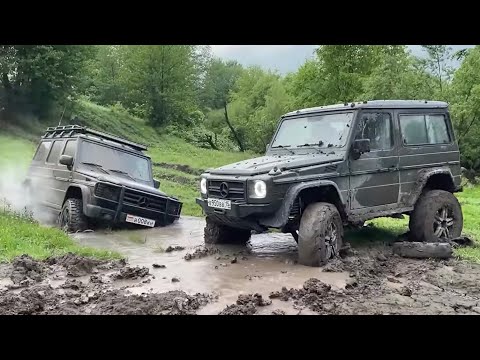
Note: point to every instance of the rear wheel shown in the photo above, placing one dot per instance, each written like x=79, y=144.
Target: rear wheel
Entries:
x=71, y=218
x=437, y=217
x=215, y=233
x=320, y=236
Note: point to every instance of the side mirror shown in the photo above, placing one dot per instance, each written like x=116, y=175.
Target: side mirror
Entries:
x=360, y=146
x=66, y=160
x=156, y=184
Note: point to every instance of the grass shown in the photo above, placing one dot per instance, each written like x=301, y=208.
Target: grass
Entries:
x=15, y=151
x=20, y=235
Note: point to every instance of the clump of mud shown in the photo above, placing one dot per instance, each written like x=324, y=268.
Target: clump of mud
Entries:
x=131, y=273
x=246, y=305
x=75, y=265
x=174, y=248
x=201, y=252
x=27, y=271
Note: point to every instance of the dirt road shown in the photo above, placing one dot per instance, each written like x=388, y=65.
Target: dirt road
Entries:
x=168, y=271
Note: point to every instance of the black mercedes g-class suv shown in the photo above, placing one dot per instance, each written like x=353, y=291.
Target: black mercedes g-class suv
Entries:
x=336, y=165
x=86, y=176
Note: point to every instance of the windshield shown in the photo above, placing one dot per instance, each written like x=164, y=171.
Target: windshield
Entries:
x=329, y=130
x=108, y=160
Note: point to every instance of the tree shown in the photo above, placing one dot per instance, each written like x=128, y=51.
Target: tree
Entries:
x=465, y=108
x=162, y=81
x=219, y=81
x=36, y=76
x=437, y=63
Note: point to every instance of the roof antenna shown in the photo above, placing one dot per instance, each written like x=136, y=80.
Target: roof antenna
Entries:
x=61, y=118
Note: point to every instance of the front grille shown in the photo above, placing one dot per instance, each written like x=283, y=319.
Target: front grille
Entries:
x=151, y=202
x=107, y=191
x=235, y=189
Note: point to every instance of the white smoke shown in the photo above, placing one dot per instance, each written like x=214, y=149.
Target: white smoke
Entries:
x=15, y=197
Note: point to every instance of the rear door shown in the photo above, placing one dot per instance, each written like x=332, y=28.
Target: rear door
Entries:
x=374, y=177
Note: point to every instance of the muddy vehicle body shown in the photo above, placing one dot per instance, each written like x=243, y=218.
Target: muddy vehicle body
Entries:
x=338, y=165
x=86, y=176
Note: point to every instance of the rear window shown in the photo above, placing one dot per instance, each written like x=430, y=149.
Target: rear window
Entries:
x=424, y=129
x=42, y=151
x=55, y=152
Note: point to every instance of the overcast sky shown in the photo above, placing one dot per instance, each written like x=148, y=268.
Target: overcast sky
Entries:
x=284, y=58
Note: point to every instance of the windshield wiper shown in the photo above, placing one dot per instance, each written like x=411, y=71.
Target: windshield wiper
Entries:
x=123, y=173
x=96, y=165
x=284, y=147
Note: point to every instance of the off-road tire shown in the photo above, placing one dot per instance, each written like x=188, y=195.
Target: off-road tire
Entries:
x=71, y=218
x=312, y=245
x=424, y=214
x=220, y=234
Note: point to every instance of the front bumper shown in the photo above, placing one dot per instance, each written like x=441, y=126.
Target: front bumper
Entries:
x=241, y=215
x=116, y=211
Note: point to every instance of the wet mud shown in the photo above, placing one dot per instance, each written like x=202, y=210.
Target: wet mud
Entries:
x=260, y=279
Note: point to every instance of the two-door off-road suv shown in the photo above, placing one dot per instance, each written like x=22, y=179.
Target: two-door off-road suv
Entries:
x=86, y=176
x=336, y=165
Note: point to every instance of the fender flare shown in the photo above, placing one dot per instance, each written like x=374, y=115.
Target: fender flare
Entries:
x=422, y=179
x=86, y=195
x=280, y=218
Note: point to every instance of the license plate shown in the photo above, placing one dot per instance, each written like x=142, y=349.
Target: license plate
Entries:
x=220, y=204
x=140, y=221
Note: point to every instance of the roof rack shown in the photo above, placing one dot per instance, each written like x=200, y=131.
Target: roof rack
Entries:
x=70, y=130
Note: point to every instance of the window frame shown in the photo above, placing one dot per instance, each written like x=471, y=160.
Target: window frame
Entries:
x=392, y=127
x=59, y=154
x=48, y=151
x=425, y=114
x=66, y=144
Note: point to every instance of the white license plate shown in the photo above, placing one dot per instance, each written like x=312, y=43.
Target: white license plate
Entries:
x=140, y=221
x=220, y=204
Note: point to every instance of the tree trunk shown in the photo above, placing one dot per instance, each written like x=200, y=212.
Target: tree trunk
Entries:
x=235, y=135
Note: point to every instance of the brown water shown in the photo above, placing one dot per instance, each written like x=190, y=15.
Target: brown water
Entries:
x=265, y=265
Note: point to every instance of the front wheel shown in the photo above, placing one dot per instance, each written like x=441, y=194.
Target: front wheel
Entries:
x=215, y=233
x=320, y=236
x=437, y=217
x=72, y=218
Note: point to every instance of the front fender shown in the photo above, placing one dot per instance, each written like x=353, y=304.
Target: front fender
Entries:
x=280, y=218
x=86, y=195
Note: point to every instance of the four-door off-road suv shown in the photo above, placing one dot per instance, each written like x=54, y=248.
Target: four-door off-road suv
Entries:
x=331, y=166
x=89, y=176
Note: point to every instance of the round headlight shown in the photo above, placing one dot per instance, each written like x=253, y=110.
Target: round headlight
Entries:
x=260, y=189
x=203, y=186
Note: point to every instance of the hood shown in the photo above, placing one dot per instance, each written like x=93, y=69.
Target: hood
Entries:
x=120, y=180
x=264, y=164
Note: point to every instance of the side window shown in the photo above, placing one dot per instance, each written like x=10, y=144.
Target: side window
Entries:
x=70, y=148
x=42, y=151
x=55, y=152
x=424, y=129
x=378, y=128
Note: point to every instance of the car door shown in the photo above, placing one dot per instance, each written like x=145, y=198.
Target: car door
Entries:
x=374, y=177
x=59, y=175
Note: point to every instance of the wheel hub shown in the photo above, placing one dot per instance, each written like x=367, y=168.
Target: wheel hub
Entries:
x=331, y=243
x=443, y=223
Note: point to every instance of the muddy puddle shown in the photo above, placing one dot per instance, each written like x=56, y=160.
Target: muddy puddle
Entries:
x=267, y=264
x=169, y=271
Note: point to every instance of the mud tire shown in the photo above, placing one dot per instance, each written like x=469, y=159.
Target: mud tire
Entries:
x=422, y=219
x=71, y=218
x=220, y=234
x=312, y=242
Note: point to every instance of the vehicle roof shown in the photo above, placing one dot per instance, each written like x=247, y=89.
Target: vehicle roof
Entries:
x=75, y=131
x=377, y=104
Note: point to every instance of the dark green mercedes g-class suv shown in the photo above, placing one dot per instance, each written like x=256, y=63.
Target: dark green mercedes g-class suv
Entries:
x=86, y=176
x=336, y=165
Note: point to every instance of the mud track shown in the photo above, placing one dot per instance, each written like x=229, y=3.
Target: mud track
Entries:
x=230, y=280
